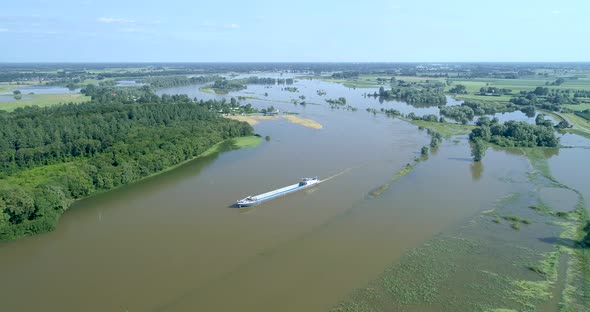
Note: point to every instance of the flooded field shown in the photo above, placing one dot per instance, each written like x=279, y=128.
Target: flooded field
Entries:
x=173, y=243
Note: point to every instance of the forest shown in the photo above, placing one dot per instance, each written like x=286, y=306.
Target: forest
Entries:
x=515, y=133
x=426, y=93
x=469, y=109
x=53, y=156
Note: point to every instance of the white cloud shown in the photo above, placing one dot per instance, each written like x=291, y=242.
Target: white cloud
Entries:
x=132, y=30
x=113, y=20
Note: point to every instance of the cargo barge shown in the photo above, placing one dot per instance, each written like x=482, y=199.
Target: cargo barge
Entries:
x=255, y=200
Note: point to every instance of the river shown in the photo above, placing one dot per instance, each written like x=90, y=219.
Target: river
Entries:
x=173, y=243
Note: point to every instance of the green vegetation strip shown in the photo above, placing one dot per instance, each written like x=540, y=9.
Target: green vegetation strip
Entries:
x=576, y=293
x=378, y=191
x=422, y=277
x=529, y=293
x=43, y=100
x=235, y=143
x=446, y=129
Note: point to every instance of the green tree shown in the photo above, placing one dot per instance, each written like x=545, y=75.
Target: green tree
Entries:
x=483, y=132
x=483, y=121
x=51, y=196
x=478, y=149
x=19, y=204
x=586, y=239
x=433, y=142
x=458, y=89
x=424, y=151
x=4, y=219
x=541, y=91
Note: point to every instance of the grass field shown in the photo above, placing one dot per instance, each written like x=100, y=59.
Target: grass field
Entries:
x=361, y=82
x=239, y=142
x=503, y=99
x=578, y=121
x=578, y=107
x=521, y=84
x=370, y=81
x=43, y=100
x=472, y=85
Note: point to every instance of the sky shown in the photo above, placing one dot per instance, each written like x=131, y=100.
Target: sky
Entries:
x=294, y=31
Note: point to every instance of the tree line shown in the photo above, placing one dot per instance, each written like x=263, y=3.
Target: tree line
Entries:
x=176, y=81
x=551, y=99
x=469, y=109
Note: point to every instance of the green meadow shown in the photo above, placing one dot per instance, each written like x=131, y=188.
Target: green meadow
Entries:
x=43, y=100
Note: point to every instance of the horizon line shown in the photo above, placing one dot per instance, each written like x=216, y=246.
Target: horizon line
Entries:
x=284, y=62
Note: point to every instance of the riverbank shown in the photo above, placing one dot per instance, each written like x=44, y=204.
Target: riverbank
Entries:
x=29, y=180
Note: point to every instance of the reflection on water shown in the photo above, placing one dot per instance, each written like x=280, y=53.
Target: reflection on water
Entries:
x=548, y=152
x=476, y=170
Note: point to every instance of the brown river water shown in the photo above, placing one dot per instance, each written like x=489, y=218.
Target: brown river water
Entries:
x=174, y=243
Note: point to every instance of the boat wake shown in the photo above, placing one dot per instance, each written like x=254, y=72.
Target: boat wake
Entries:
x=340, y=173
